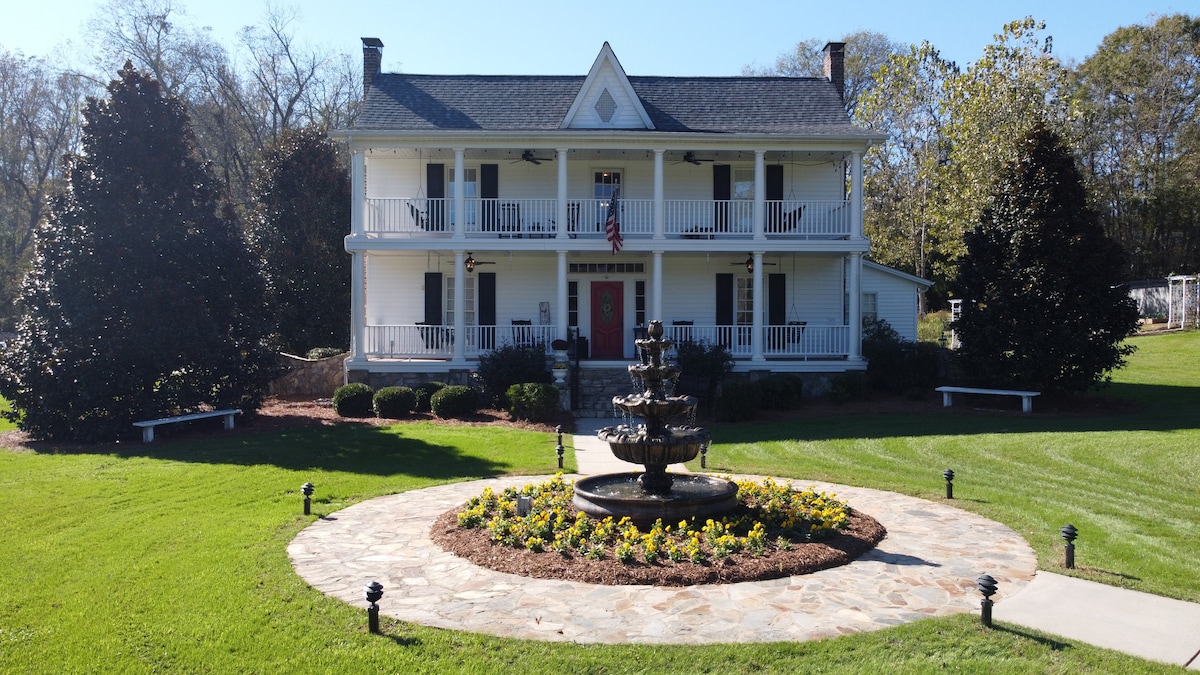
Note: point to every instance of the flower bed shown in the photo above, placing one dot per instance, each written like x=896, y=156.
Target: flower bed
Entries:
x=775, y=531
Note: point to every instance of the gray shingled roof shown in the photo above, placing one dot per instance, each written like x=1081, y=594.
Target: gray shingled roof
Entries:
x=775, y=105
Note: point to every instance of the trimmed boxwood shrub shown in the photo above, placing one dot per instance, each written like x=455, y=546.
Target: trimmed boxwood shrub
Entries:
x=533, y=401
x=454, y=401
x=353, y=400
x=507, y=365
x=739, y=401
x=423, y=392
x=393, y=403
x=780, y=391
x=850, y=386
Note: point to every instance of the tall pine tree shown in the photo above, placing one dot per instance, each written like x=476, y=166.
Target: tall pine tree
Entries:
x=1043, y=306
x=143, y=300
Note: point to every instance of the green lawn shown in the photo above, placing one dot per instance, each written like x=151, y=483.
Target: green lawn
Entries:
x=170, y=557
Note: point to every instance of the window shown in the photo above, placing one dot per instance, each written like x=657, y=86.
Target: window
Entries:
x=468, y=301
x=870, y=307
x=572, y=303
x=470, y=191
x=743, y=308
x=605, y=183
x=639, y=303
x=742, y=216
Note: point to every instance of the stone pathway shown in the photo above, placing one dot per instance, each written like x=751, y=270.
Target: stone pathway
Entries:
x=926, y=566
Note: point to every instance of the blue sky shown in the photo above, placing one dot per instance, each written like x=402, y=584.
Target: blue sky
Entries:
x=699, y=37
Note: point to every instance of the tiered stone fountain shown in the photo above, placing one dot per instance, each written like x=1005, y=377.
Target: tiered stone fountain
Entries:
x=655, y=493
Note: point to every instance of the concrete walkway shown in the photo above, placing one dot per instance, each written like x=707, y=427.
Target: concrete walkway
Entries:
x=926, y=566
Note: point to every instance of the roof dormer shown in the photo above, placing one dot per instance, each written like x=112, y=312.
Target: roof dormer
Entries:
x=606, y=100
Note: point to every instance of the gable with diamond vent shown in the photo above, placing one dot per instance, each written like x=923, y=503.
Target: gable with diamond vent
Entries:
x=607, y=100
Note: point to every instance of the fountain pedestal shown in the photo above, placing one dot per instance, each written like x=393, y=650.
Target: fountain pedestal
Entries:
x=656, y=492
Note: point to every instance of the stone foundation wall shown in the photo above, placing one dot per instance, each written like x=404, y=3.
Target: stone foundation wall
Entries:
x=378, y=381
x=308, y=377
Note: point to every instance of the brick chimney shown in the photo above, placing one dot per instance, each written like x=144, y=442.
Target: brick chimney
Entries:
x=372, y=58
x=835, y=65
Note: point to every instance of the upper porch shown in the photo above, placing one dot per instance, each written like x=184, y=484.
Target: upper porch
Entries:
x=416, y=196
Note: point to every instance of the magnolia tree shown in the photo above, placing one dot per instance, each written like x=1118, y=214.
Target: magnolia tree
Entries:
x=143, y=300
x=1043, y=306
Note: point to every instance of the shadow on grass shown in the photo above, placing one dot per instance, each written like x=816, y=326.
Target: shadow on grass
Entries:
x=1050, y=643
x=1120, y=407
x=360, y=449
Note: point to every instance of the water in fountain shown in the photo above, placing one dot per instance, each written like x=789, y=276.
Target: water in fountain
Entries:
x=655, y=444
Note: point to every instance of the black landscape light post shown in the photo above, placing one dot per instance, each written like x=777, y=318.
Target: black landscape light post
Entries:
x=987, y=586
x=948, y=474
x=307, y=490
x=559, y=449
x=1069, y=533
x=374, y=592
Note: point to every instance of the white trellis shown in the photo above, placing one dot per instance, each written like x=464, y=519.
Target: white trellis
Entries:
x=955, y=313
x=1183, y=301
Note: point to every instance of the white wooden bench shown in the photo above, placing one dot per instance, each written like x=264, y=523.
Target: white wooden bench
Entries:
x=148, y=425
x=1026, y=396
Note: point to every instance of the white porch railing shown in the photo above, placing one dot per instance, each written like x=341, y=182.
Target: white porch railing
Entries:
x=538, y=218
x=418, y=341
x=799, y=341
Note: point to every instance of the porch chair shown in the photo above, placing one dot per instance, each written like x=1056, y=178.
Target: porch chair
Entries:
x=682, y=331
x=522, y=332
x=436, y=337
x=418, y=216
x=510, y=221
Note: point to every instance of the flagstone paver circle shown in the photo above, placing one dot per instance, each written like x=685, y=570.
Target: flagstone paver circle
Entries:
x=926, y=566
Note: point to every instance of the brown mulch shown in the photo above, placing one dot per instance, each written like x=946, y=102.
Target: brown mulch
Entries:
x=839, y=549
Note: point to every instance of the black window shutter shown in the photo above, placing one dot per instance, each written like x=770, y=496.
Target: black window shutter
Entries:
x=776, y=299
x=435, y=189
x=722, y=190
x=486, y=310
x=489, y=189
x=774, y=197
x=486, y=294
x=433, y=298
x=724, y=300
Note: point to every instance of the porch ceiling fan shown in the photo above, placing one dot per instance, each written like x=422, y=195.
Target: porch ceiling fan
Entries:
x=471, y=262
x=529, y=156
x=690, y=158
x=749, y=263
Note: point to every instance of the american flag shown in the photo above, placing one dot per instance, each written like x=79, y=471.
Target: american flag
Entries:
x=612, y=228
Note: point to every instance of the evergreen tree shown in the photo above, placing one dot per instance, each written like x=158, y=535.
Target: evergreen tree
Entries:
x=1042, y=303
x=143, y=299
x=298, y=227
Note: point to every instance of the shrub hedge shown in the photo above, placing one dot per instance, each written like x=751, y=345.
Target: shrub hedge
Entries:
x=533, y=401
x=354, y=400
x=423, y=392
x=393, y=403
x=454, y=401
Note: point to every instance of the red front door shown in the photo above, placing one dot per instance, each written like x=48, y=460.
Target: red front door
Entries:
x=608, y=325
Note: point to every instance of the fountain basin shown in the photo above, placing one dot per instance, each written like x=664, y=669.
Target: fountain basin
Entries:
x=621, y=494
x=677, y=445
x=651, y=408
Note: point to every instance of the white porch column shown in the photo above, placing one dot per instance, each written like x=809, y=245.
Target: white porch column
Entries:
x=854, y=310
x=358, y=307
x=560, y=216
x=560, y=321
x=660, y=205
x=656, y=283
x=756, y=335
x=460, y=199
x=760, y=202
x=856, y=195
x=460, y=298
x=358, y=191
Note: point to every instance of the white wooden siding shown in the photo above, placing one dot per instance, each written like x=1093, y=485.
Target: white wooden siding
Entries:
x=897, y=300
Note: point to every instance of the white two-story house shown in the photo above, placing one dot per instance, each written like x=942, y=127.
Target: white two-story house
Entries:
x=487, y=211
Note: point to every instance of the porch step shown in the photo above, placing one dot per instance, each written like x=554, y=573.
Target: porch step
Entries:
x=597, y=387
